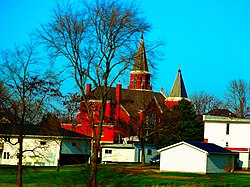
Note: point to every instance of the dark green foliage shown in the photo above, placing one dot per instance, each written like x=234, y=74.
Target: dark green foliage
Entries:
x=182, y=124
x=189, y=127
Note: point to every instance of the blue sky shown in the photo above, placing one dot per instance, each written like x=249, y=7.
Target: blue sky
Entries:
x=210, y=39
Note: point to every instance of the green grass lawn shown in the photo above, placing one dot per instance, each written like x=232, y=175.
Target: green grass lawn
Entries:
x=117, y=175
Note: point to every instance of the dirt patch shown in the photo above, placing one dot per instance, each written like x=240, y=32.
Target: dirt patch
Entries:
x=170, y=177
x=132, y=170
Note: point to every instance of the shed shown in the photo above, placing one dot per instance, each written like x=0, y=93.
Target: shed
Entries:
x=43, y=146
x=126, y=153
x=196, y=157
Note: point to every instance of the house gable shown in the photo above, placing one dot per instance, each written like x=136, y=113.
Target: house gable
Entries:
x=182, y=157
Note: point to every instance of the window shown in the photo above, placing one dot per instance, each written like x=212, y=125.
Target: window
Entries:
x=6, y=155
x=73, y=144
x=135, y=82
x=108, y=151
x=142, y=85
x=226, y=144
x=149, y=152
x=102, y=133
x=227, y=128
x=7, y=139
x=42, y=143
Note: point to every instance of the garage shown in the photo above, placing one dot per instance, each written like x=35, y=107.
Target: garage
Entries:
x=196, y=157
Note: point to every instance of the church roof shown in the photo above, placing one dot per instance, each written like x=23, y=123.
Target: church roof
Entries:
x=141, y=63
x=136, y=100
x=178, y=89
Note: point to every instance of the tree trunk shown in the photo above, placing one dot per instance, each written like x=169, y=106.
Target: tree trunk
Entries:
x=94, y=166
x=20, y=162
x=142, y=153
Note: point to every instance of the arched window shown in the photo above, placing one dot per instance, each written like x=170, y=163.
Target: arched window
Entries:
x=142, y=85
x=135, y=82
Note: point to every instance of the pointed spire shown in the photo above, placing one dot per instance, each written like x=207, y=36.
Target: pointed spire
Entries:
x=141, y=63
x=140, y=75
x=179, y=89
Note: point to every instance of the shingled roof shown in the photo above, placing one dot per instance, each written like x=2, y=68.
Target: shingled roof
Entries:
x=210, y=147
x=140, y=63
x=135, y=100
x=37, y=130
x=178, y=89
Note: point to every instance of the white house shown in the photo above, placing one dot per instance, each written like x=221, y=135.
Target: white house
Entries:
x=230, y=133
x=43, y=148
x=196, y=157
x=130, y=153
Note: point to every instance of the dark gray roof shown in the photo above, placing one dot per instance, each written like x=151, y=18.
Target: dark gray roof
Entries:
x=38, y=130
x=141, y=63
x=179, y=89
x=210, y=147
x=135, y=100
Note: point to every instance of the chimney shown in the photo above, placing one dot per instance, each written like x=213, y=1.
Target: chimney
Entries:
x=88, y=88
x=118, y=93
x=141, y=115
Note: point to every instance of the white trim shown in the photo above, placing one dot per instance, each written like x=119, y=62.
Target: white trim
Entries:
x=176, y=99
x=157, y=103
x=140, y=72
x=98, y=100
x=222, y=119
x=124, y=110
x=180, y=143
x=164, y=95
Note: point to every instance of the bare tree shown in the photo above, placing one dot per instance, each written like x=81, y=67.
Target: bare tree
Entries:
x=30, y=88
x=204, y=102
x=99, y=41
x=71, y=103
x=237, y=96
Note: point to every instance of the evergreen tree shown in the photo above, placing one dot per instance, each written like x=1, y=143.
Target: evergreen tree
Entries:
x=183, y=124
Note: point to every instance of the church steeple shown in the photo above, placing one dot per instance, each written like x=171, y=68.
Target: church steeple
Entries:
x=178, y=91
x=140, y=75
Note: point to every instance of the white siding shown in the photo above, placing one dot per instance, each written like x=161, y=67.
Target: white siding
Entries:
x=126, y=153
x=40, y=155
x=118, y=155
x=238, y=136
x=183, y=158
x=215, y=133
x=243, y=157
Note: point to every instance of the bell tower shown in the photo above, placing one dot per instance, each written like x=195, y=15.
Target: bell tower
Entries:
x=140, y=75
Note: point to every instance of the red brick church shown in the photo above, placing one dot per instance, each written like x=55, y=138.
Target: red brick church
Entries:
x=126, y=106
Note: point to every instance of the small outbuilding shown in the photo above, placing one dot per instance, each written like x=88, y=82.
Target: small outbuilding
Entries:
x=43, y=146
x=126, y=153
x=196, y=157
